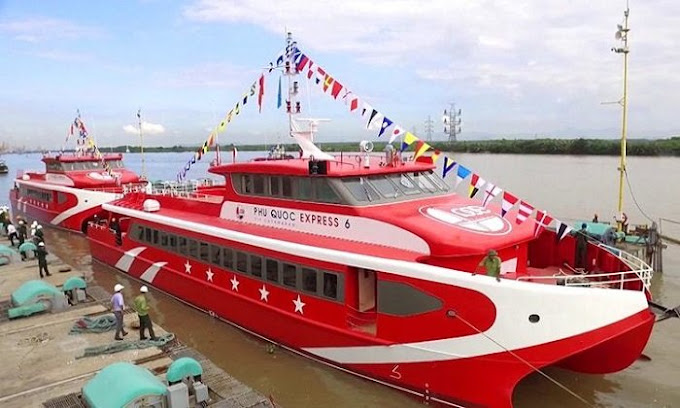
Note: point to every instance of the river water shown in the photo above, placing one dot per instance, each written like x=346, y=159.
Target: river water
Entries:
x=569, y=187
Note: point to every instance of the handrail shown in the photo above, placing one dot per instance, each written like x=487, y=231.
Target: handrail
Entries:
x=642, y=271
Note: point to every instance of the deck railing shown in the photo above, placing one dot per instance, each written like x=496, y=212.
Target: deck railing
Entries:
x=639, y=272
x=188, y=190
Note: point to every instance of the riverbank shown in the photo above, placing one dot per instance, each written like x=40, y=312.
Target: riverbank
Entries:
x=596, y=147
x=581, y=147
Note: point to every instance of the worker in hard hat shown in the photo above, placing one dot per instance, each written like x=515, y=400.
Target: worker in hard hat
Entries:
x=492, y=264
x=142, y=308
x=41, y=253
x=118, y=305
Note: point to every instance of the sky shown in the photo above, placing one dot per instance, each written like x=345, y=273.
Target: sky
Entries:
x=517, y=69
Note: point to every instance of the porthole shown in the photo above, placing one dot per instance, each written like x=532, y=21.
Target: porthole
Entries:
x=450, y=313
x=534, y=318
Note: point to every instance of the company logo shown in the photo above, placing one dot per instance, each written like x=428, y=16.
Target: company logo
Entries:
x=102, y=176
x=240, y=212
x=472, y=218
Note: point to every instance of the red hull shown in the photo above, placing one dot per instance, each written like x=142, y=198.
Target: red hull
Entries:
x=462, y=381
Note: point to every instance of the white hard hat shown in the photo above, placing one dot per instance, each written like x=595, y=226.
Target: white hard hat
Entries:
x=34, y=223
x=118, y=287
x=143, y=289
x=39, y=226
x=41, y=244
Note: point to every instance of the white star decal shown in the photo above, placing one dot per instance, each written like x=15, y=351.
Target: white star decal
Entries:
x=209, y=274
x=234, y=283
x=264, y=294
x=299, y=304
x=187, y=267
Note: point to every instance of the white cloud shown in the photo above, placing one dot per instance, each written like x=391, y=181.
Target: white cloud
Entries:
x=528, y=53
x=37, y=29
x=147, y=129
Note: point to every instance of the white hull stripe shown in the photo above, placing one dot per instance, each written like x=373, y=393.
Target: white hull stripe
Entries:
x=564, y=311
x=347, y=227
x=128, y=257
x=150, y=273
x=87, y=199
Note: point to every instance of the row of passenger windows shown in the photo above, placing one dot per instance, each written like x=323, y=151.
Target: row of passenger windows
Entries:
x=300, y=188
x=55, y=166
x=326, y=284
x=382, y=187
x=36, y=194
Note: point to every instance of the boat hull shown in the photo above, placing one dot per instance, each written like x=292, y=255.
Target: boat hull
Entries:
x=68, y=208
x=457, y=382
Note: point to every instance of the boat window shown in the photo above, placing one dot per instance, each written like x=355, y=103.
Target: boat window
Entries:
x=384, y=186
x=193, y=249
x=172, y=242
x=147, y=234
x=423, y=182
x=204, y=251
x=404, y=183
x=227, y=258
x=216, y=254
x=275, y=185
x=67, y=166
x=138, y=232
x=324, y=192
x=289, y=275
x=400, y=299
x=436, y=180
x=182, y=246
x=360, y=189
x=164, y=239
x=304, y=188
x=286, y=187
x=241, y=262
x=272, y=270
x=156, y=239
x=258, y=184
x=330, y=285
x=115, y=164
x=247, y=186
x=309, y=280
x=256, y=265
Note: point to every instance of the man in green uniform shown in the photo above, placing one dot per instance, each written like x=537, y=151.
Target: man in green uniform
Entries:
x=142, y=309
x=581, y=257
x=492, y=265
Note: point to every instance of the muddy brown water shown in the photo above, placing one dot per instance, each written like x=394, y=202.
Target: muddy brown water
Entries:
x=570, y=187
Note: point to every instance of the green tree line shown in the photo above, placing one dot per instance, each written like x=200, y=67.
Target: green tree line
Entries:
x=600, y=147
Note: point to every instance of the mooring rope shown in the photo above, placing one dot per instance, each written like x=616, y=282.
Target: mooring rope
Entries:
x=119, y=346
x=512, y=353
x=99, y=324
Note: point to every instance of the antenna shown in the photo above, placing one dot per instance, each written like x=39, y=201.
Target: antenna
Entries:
x=621, y=35
x=141, y=141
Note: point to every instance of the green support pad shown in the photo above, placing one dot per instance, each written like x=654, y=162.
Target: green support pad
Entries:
x=182, y=368
x=74, y=282
x=32, y=290
x=120, y=384
x=27, y=310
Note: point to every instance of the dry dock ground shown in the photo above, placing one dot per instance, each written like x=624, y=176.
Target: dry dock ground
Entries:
x=42, y=364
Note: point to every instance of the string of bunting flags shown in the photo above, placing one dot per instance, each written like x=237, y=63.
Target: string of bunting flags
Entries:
x=255, y=90
x=377, y=121
x=85, y=139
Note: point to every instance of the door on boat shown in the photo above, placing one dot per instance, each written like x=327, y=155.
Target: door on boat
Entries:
x=363, y=311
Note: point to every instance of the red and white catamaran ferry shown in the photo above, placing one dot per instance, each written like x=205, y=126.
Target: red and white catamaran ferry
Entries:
x=365, y=262
x=72, y=188
x=365, y=265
